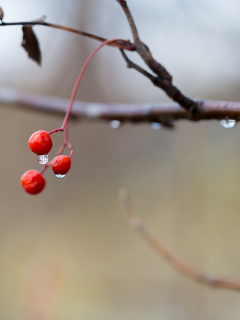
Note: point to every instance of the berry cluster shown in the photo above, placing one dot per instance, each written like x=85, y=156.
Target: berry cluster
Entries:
x=40, y=143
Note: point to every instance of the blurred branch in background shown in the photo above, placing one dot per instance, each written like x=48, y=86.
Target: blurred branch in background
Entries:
x=174, y=261
x=162, y=112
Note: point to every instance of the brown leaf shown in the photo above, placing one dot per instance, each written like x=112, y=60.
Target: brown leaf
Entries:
x=1, y=13
x=30, y=44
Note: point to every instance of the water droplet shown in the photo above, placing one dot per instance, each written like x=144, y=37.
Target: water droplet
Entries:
x=227, y=123
x=43, y=159
x=60, y=176
x=156, y=125
x=115, y=124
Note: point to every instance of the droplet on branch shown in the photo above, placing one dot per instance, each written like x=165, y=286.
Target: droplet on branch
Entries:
x=30, y=44
x=115, y=124
x=156, y=125
x=228, y=123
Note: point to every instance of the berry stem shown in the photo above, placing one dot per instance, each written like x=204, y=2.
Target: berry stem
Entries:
x=45, y=167
x=69, y=109
x=56, y=130
x=71, y=149
x=64, y=126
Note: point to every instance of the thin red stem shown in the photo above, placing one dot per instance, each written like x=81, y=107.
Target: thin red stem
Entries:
x=71, y=149
x=62, y=148
x=64, y=126
x=66, y=131
x=80, y=78
x=56, y=130
x=45, y=167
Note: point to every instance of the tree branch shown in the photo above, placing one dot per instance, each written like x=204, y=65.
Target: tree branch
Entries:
x=164, y=80
x=162, y=112
x=133, y=65
x=127, y=45
x=158, y=82
x=174, y=261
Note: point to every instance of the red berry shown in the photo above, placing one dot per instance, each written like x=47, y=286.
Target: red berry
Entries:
x=33, y=182
x=40, y=142
x=61, y=164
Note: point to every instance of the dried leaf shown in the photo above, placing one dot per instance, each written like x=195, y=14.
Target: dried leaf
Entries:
x=30, y=44
x=1, y=13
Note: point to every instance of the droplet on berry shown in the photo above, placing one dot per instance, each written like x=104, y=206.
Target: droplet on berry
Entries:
x=40, y=142
x=60, y=176
x=33, y=182
x=42, y=159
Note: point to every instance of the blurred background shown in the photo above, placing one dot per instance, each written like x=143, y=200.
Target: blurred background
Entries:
x=69, y=253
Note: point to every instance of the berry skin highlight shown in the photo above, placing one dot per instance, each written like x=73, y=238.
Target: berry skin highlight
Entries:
x=40, y=142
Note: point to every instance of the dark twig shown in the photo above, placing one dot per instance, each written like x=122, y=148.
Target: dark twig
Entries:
x=158, y=82
x=133, y=65
x=141, y=48
x=127, y=45
x=174, y=261
x=164, y=80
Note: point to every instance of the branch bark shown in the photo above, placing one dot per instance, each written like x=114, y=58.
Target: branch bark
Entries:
x=127, y=45
x=178, y=264
x=162, y=112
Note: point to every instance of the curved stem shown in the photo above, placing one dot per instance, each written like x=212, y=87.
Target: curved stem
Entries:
x=64, y=126
x=80, y=78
